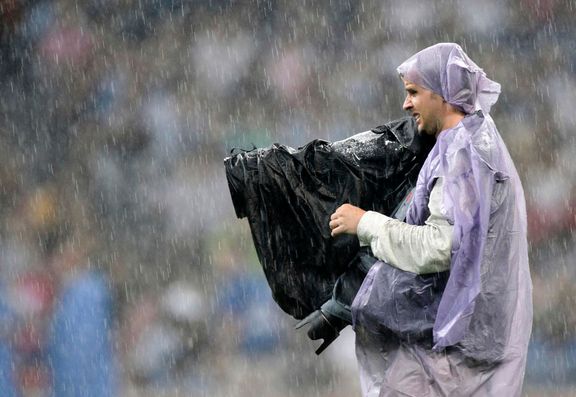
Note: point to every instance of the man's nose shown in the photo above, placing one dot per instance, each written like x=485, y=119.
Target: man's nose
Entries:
x=407, y=104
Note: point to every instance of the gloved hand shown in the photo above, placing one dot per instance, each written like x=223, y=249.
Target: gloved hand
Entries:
x=322, y=326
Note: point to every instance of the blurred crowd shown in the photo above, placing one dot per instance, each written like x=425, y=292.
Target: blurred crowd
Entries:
x=123, y=270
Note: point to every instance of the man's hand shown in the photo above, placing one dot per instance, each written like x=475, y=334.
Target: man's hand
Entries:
x=345, y=219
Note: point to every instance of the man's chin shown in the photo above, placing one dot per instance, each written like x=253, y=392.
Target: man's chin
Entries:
x=423, y=131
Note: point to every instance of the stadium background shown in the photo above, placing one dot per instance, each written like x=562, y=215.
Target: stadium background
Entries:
x=115, y=117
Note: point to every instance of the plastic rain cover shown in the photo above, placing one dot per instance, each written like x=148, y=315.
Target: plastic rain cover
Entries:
x=484, y=319
x=288, y=195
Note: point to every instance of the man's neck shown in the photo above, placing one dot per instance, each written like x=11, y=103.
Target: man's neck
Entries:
x=451, y=120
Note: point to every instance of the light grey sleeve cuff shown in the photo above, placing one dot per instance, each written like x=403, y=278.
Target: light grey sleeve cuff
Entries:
x=370, y=225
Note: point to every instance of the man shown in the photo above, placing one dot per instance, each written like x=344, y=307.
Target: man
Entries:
x=467, y=216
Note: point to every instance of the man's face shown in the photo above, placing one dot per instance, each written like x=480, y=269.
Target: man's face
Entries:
x=426, y=107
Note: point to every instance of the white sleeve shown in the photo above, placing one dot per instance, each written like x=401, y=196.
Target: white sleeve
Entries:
x=417, y=249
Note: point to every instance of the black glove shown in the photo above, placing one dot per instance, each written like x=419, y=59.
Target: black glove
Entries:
x=322, y=326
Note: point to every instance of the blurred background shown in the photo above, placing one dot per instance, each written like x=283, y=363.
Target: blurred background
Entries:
x=123, y=270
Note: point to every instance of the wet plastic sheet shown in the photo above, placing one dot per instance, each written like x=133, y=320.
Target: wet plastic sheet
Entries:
x=288, y=195
x=405, y=303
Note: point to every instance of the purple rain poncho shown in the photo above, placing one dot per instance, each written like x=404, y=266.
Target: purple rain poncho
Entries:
x=485, y=314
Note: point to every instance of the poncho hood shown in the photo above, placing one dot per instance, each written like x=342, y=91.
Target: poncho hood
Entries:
x=446, y=70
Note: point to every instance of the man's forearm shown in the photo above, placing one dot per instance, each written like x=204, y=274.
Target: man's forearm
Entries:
x=417, y=249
